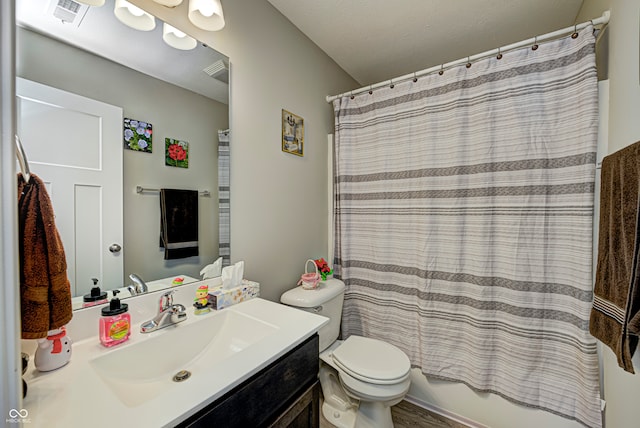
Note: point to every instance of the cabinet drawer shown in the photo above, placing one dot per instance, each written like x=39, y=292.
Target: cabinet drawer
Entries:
x=260, y=400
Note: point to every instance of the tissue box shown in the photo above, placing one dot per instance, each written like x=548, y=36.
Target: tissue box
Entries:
x=220, y=298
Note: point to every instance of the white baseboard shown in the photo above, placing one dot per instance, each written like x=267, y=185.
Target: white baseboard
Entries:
x=442, y=412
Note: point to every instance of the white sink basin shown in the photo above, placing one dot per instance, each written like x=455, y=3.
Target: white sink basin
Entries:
x=133, y=380
x=141, y=371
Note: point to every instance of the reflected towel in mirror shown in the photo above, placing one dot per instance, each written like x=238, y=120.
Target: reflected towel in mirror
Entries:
x=179, y=223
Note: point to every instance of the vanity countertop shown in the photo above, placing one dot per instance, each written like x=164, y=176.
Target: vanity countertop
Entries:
x=76, y=395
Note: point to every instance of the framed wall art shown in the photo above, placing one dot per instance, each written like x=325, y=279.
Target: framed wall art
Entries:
x=176, y=153
x=138, y=135
x=292, y=133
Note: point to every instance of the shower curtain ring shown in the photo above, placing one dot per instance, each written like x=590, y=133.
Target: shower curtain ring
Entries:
x=499, y=56
x=415, y=78
x=391, y=85
x=468, y=62
x=370, y=90
x=352, y=96
x=535, y=43
x=441, y=72
x=575, y=32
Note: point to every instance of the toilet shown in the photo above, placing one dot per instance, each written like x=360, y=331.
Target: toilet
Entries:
x=361, y=378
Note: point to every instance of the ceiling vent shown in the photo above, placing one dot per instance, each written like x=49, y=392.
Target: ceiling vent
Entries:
x=219, y=70
x=68, y=11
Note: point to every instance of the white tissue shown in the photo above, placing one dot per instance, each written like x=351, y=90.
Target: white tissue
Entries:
x=232, y=275
x=238, y=272
x=213, y=270
x=227, y=277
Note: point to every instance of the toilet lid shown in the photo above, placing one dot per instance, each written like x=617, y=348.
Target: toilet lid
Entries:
x=372, y=360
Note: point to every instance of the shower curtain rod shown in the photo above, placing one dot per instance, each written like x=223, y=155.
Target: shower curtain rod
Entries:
x=604, y=19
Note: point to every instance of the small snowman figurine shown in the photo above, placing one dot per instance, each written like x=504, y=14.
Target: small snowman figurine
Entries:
x=202, y=300
x=54, y=351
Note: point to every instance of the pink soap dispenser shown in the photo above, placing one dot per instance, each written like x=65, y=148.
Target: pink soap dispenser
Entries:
x=115, y=323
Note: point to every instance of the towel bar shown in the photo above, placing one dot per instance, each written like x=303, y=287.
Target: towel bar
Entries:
x=140, y=189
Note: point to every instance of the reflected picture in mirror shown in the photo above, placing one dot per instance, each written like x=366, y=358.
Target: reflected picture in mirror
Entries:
x=109, y=230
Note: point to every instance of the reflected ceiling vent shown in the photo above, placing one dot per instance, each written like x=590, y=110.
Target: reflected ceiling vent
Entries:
x=68, y=11
x=219, y=70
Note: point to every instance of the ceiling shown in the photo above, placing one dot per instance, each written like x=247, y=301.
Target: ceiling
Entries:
x=372, y=40
x=377, y=40
x=97, y=30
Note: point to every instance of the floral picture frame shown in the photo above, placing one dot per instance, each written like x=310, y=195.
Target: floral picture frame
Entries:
x=138, y=135
x=292, y=133
x=176, y=153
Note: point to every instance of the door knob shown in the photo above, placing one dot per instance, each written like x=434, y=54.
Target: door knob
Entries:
x=115, y=248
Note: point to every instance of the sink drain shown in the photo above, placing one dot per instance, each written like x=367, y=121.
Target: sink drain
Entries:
x=182, y=375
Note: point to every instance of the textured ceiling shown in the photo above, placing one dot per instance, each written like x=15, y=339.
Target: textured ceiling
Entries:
x=376, y=40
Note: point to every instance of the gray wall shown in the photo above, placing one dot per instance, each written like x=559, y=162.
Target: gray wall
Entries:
x=174, y=113
x=279, y=209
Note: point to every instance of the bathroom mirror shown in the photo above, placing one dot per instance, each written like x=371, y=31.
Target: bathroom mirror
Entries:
x=183, y=95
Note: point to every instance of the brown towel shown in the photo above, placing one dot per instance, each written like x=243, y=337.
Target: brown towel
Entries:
x=45, y=294
x=615, y=316
x=179, y=223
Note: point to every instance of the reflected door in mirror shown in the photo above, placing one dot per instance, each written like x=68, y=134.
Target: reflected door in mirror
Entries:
x=73, y=144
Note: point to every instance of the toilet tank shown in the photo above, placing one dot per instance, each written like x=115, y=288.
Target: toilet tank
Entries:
x=325, y=300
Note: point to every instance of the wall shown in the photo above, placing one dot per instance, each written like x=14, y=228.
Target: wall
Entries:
x=278, y=200
x=196, y=121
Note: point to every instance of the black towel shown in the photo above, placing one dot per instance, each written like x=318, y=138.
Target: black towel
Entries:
x=179, y=223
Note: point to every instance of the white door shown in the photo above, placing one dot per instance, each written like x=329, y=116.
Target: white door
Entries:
x=74, y=145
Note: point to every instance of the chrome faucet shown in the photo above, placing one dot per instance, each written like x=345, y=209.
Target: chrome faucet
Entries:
x=168, y=314
x=140, y=286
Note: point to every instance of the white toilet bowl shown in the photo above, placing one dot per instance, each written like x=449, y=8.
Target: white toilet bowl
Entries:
x=361, y=378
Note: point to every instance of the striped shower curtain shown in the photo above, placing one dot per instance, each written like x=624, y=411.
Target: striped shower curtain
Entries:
x=463, y=210
x=224, y=197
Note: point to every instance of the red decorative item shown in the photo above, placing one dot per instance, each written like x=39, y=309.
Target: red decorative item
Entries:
x=323, y=267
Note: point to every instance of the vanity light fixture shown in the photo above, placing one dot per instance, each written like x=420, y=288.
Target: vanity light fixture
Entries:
x=133, y=16
x=169, y=3
x=206, y=14
x=177, y=39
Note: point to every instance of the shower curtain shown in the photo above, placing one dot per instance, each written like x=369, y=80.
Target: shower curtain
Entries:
x=224, y=197
x=463, y=210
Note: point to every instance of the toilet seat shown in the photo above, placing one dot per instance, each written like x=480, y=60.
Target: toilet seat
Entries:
x=373, y=392
x=355, y=356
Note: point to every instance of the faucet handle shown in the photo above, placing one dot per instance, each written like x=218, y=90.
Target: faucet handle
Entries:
x=166, y=300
